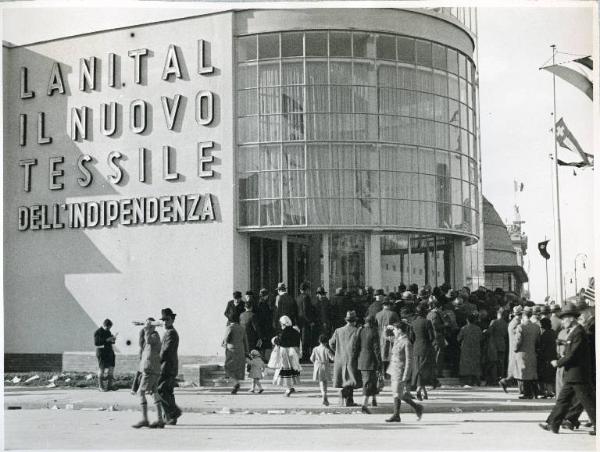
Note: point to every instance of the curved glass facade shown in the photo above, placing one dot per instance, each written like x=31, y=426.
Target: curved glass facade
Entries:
x=355, y=130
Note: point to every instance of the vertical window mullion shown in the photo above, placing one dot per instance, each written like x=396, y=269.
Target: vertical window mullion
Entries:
x=305, y=96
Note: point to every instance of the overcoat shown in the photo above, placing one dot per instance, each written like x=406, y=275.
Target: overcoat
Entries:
x=169, y=362
x=236, y=349
x=498, y=334
x=249, y=321
x=385, y=318
x=286, y=305
x=546, y=352
x=423, y=354
x=345, y=363
x=400, y=359
x=576, y=359
x=367, y=348
x=470, y=338
x=527, y=337
x=512, y=341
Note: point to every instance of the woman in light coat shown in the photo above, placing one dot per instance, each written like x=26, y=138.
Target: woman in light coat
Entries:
x=399, y=370
x=236, y=350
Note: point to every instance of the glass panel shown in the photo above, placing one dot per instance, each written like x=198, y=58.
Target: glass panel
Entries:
x=364, y=74
x=440, y=83
x=462, y=66
x=292, y=73
x=386, y=47
x=247, y=159
x=342, y=126
x=293, y=184
x=270, y=157
x=341, y=73
x=291, y=44
x=426, y=161
x=342, y=156
x=270, y=212
x=316, y=43
x=456, y=194
x=317, y=98
x=406, y=77
x=439, y=57
x=453, y=112
x=293, y=212
x=453, y=87
x=365, y=99
x=347, y=262
x=452, y=61
x=317, y=127
x=341, y=99
x=340, y=44
x=247, y=76
x=293, y=156
x=268, y=74
x=456, y=164
x=248, y=186
x=407, y=103
x=394, y=261
x=292, y=126
x=316, y=73
x=269, y=184
x=364, y=45
x=365, y=127
x=406, y=50
x=424, y=80
x=246, y=48
x=292, y=99
x=386, y=74
x=367, y=157
x=425, y=106
x=441, y=109
x=248, y=129
x=424, y=53
x=318, y=211
x=249, y=213
x=247, y=102
x=441, y=135
x=269, y=100
x=268, y=46
x=318, y=156
x=367, y=211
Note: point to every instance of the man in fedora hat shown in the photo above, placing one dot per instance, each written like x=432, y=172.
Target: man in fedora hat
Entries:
x=577, y=374
x=377, y=304
x=285, y=305
x=169, y=366
x=323, y=311
x=386, y=317
x=345, y=364
x=554, y=318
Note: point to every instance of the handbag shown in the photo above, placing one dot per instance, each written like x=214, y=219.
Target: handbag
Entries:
x=380, y=381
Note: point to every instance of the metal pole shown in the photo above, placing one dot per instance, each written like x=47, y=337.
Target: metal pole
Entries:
x=547, y=294
x=575, y=275
x=558, y=276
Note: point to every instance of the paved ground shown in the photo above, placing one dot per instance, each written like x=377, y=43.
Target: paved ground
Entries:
x=444, y=400
x=70, y=429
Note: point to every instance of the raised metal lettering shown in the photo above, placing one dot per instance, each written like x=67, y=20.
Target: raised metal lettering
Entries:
x=27, y=164
x=108, y=120
x=204, y=116
x=202, y=69
x=137, y=55
x=54, y=173
x=79, y=123
x=204, y=160
x=87, y=175
x=41, y=129
x=87, y=73
x=170, y=109
x=137, y=116
x=171, y=64
x=56, y=81
x=113, y=158
x=167, y=174
x=25, y=93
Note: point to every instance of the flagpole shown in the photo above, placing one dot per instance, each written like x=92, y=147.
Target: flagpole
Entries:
x=558, y=277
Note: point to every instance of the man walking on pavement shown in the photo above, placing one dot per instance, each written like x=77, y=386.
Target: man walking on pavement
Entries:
x=307, y=319
x=169, y=366
x=345, y=364
x=512, y=344
x=576, y=362
x=285, y=305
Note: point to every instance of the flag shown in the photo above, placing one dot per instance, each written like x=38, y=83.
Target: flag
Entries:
x=567, y=140
x=519, y=186
x=590, y=291
x=543, y=249
x=575, y=73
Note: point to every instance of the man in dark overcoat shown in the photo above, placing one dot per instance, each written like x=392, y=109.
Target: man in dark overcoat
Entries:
x=386, y=317
x=345, y=365
x=307, y=320
x=264, y=315
x=323, y=311
x=285, y=305
x=104, y=340
x=235, y=305
x=377, y=304
x=169, y=366
x=576, y=362
x=338, y=303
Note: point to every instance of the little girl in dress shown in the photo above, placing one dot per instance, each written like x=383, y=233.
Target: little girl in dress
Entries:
x=321, y=357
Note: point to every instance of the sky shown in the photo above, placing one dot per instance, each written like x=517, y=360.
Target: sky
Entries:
x=515, y=110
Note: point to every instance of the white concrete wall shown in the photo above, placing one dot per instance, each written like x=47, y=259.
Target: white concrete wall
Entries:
x=60, y=284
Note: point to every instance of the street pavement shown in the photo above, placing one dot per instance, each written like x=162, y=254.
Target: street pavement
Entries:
x=455, y=419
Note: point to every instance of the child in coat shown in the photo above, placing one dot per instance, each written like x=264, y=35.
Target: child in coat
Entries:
x=321, y=357
x=255, y=366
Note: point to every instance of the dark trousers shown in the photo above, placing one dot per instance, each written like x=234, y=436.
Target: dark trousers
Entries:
x=438, y=356
x=308, y=335
x=570, y=392
x=166, y=384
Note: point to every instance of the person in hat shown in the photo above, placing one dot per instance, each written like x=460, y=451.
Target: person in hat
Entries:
x=439, y=342
x=150, y=370
x=338, y=305
x=400, y=363
x=387, y=316
x=235, y=305
x=554, y=318
x=249, y=321
x=423, y=336
x=169, y=367
x=377, y=304
x=256, y=367
x=512, y=343
x=527, y=338
x=470, y=338
x=577, y=374
x=104, y=340
x=323, y=311
x=368, y=354
x=264, y=316
x=346, y=375
x=497, y=334
x=546, y=352
x=285, y=305
x=236, y=347
x=307, y=320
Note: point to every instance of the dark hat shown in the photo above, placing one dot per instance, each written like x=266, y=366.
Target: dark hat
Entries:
x=281, y=286
x=263, y=291
x=250, y=293
x=555, y=308
x=569, y=310
x=537, y=309
x=379, y=292
x=237, y=294
x=321, y=290
x=387, y=302
x=545, y=309
x=351, y=316
x=167, y=312
x=303, y=286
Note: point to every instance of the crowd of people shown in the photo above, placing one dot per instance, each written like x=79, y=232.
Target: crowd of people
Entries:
x=414, y=337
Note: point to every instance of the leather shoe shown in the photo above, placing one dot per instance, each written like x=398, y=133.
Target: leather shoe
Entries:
x=548, y=428
x=503, y=386
x=394, y=418
x=593, y=432
x=374, y=403
x=365, y=410
x=235, y=388
x=419, y=396
x=171, y=422
x=141, y=424
x=419, y=411
x=570, y=424
x=157, y=424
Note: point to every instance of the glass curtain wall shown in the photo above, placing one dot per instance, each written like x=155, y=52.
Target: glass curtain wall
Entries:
x=340, y=128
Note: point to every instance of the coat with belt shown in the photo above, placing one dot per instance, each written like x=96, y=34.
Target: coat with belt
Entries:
x=236, y=349
x=527, y=338
x=512, y=343
x=576, y=360
x=385, y=318
x=367, y=349
x=169, y=363
x=345, y=363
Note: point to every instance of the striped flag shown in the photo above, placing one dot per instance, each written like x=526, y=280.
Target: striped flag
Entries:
x=590, y=293
x=565, y=139
x=576, y=72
